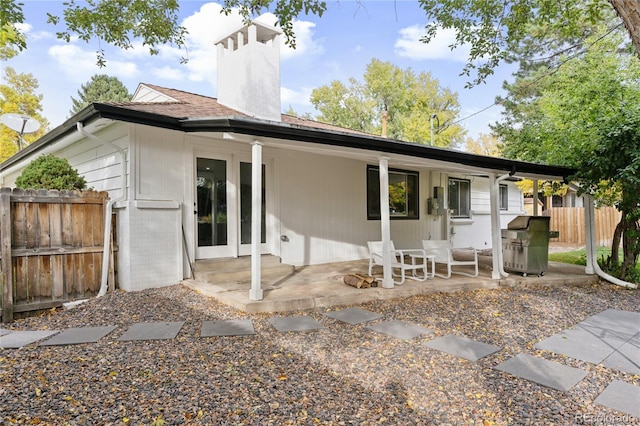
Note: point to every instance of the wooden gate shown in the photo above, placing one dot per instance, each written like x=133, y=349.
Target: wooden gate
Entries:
x=51, y=247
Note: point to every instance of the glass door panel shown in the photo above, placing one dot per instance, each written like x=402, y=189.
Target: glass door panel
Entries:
x=211, y=207
x=245, y=204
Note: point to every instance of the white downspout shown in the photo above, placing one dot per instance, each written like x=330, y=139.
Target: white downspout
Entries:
x=109, y=207
x=498, y=260
x=592, y=261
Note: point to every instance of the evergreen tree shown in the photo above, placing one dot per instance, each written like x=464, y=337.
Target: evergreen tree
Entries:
x=101, y=88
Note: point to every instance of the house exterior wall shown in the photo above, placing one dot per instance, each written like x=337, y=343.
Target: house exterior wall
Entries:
x=316, y=209
x=476, y=230
x=323, y=210
x=148, y=222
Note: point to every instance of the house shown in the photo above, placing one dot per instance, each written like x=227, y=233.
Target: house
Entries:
x=194, y=177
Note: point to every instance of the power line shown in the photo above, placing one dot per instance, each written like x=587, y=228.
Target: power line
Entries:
x=546, y=74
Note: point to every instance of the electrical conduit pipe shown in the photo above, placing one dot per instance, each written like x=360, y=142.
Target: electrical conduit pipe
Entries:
x=109, y=208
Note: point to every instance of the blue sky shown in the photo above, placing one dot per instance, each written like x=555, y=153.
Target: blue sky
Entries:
x=336, y=46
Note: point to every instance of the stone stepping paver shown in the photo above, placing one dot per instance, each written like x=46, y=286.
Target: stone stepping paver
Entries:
x=353, y=316
x=542, y=371
x=238, y=327
x=586, y=344
x=297, y=323
x=18, y=339
x=3, y=332
x=462, y=347
x=74, y=336
x=615, y=320
x=400, y=329
x=626, y=358
x=152, y=331
x=609, y=338
x=621, y=396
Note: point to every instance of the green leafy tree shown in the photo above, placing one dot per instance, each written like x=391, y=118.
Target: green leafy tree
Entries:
x=492, y=28
x=11, y=40
x=19, y=96
x=483, y=145
x=587, y=115
x=101, y=88
x=408, y=101
x=50, y=172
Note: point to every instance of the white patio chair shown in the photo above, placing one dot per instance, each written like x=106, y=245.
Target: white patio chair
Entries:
x=443, y=253
x=398, y=261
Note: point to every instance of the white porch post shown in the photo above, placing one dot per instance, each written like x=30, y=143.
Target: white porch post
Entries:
x=256, y=220
x=385, y=223
x=496, y=235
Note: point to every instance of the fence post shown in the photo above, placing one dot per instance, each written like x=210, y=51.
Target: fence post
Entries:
x=7, y=261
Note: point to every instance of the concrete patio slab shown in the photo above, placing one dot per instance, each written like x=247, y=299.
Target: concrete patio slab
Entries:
x=621, y=396
x=615, y=320
x=18, y=339
x=400, y=329
x=296, y=323
x=78, y=335
x=354, y=315
x=238, y=327
x=591, y=345
x=322, y=286
x=462, y=347
x=626, y=358
x=152, y=331
x=543, y=372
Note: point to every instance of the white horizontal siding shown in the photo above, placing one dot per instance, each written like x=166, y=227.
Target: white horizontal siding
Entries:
x=159, y=159
x=323, y=211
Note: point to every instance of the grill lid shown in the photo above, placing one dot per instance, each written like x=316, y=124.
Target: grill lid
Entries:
x=523, y=222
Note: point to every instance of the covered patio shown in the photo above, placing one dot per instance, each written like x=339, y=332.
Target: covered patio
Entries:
x=322, y=286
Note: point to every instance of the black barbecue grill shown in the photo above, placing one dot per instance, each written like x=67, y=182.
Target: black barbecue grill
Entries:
x=525, y=245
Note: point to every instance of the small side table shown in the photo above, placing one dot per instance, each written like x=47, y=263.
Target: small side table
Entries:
x=424, y=259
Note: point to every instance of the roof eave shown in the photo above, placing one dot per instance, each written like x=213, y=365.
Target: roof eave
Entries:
x=261, y=128
x=278, y=130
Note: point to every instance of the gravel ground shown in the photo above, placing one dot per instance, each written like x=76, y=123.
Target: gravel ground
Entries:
x=342, y=374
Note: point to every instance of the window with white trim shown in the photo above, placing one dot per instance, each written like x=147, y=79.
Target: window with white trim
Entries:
x=459, y=198
x=403, y=194
x=504, y=197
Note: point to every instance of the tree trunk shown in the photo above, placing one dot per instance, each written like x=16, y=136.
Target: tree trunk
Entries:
x=629, y=245
x=629, y=11
x=615, y=245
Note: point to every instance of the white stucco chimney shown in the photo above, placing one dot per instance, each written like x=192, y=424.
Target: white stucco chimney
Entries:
x=249, y=71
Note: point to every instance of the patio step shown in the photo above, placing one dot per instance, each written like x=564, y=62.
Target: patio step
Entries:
x=226, y=270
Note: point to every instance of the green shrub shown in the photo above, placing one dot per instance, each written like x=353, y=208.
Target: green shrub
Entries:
x=50, y=172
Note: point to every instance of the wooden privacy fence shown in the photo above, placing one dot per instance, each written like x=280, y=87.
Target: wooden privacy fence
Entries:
x=570, y=223
x=51, y=247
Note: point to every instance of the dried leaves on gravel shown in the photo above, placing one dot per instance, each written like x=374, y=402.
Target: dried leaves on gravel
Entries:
x=340, y=375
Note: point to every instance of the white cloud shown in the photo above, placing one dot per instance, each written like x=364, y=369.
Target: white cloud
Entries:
x=409, y=45
x=295, y=98
x=207, y=26
x=303, y=31
x=79, y=65
x=169, y=73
